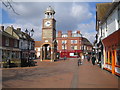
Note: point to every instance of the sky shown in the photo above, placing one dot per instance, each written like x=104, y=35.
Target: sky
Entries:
x=69, y=16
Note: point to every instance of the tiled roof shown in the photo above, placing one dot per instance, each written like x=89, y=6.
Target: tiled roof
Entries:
x=23, y=35
x=7, y=35
x=37, y=43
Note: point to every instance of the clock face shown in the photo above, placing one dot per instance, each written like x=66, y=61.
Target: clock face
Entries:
x=47, y=23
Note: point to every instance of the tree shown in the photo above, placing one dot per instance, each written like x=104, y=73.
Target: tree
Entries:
x=8, y=4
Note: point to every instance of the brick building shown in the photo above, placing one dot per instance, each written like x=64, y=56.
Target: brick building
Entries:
x=71, y=44
x=9, y=49
x=17, y=46
x=64, y=45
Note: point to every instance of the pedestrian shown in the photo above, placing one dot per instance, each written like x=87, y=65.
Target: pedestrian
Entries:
x=8, y=62
x=79, y=61
x=88, y=58
x=93, y=60
x=65, y=57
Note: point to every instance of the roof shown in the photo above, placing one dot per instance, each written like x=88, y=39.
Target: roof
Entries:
x=86, y=41
x=28, y=36
x=37, y=43
x=7, y=35
x=110, y=10
x=102, y=8
x=23, y=35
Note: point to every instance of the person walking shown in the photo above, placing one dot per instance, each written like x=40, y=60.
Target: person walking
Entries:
x=79, y=61
x=93, y=60
x=88, y=58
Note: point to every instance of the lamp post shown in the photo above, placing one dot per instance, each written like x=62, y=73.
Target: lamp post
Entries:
x=30, y=34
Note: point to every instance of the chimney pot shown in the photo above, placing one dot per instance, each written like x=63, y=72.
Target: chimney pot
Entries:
x=19, y=29
x=2, y=28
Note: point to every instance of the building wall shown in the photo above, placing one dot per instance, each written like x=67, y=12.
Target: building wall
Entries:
x=110, y=29
x=112, y=22
x=73, y=44
x=68, y=42
x=11, y=51
x=37, y=49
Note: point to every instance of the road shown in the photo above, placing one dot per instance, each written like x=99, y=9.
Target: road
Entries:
x=59, y=74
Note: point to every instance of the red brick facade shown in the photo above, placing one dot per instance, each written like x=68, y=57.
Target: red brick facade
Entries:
x=68, y=44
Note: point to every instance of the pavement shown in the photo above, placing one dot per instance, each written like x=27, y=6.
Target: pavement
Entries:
x=59, y=74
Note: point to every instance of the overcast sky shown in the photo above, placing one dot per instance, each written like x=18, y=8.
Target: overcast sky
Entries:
x=69, y=16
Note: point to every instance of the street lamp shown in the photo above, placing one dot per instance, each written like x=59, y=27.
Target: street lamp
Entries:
x=30, y=34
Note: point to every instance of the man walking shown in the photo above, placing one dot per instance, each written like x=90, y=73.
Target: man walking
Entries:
x=93, y=59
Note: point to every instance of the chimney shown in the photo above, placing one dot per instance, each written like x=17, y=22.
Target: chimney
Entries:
x=69, y=33
x=59, y=33
x=78, y=32
x=19, y=29
x=2, y=28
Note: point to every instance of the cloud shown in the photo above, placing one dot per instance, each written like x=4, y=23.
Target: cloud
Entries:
x=88, y=30
x=81, y=11
x=69, y=16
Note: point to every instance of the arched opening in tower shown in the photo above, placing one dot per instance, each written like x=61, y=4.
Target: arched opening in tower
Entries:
x=46, y=52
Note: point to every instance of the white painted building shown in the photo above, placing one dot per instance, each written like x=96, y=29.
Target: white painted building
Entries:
x=108, y=27
x=37, y=48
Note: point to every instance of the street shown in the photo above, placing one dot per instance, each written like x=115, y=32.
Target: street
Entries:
x=59, y=74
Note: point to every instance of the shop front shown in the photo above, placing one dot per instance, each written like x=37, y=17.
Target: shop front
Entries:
x=69, y=53
x=112, y=53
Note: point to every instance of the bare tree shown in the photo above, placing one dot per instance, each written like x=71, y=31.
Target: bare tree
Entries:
x=8, y=4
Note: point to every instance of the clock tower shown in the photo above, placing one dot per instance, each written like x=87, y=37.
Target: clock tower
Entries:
x=48, y=43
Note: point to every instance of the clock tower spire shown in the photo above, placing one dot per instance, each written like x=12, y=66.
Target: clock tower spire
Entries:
x=49, y=45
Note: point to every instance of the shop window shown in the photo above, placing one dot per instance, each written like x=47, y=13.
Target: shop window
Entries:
x=110, y=57
x=118, y=57
x=75, y=53
x=118, y=16
x=107, y=57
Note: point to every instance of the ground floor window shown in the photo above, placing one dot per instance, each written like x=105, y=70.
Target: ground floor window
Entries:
x=110, y=57
x=118, y=57
x=107, y=57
